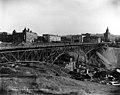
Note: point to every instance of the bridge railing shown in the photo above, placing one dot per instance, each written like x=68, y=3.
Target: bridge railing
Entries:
x=32, y=45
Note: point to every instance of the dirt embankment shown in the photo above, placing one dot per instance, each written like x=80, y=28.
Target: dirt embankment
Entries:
x=112, y=55
x=105, y=57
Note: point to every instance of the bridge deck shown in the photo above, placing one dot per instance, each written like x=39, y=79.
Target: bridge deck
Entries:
x=25, y=47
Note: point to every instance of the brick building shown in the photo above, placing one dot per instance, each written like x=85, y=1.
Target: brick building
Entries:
x=30, y=37
x=26, y=36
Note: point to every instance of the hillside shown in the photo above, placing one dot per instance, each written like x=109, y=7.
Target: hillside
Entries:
x=44, y=78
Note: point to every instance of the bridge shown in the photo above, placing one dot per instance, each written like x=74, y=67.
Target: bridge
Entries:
x=41, y=53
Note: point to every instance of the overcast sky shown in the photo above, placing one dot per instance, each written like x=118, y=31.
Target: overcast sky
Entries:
x=60, y=16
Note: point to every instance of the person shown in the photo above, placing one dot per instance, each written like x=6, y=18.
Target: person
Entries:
x=67, y=66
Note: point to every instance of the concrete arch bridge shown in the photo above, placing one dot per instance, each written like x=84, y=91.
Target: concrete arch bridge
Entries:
x=46, y=53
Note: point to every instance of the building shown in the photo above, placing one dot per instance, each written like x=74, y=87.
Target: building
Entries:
x=40, y=39
x=66, y=39
x=72, y=39
x=9, y=38
x=109, y=37
x=4, y=37
x=26, y=36
x=30, y=37
x=51, y=38
x=18, y=37
x=76, y=39
x=91, y=39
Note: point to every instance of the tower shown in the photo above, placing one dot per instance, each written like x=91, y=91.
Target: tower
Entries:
x=106, y=35
x=107, y=31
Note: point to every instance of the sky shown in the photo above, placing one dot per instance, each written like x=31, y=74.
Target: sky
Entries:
x=61, y=17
